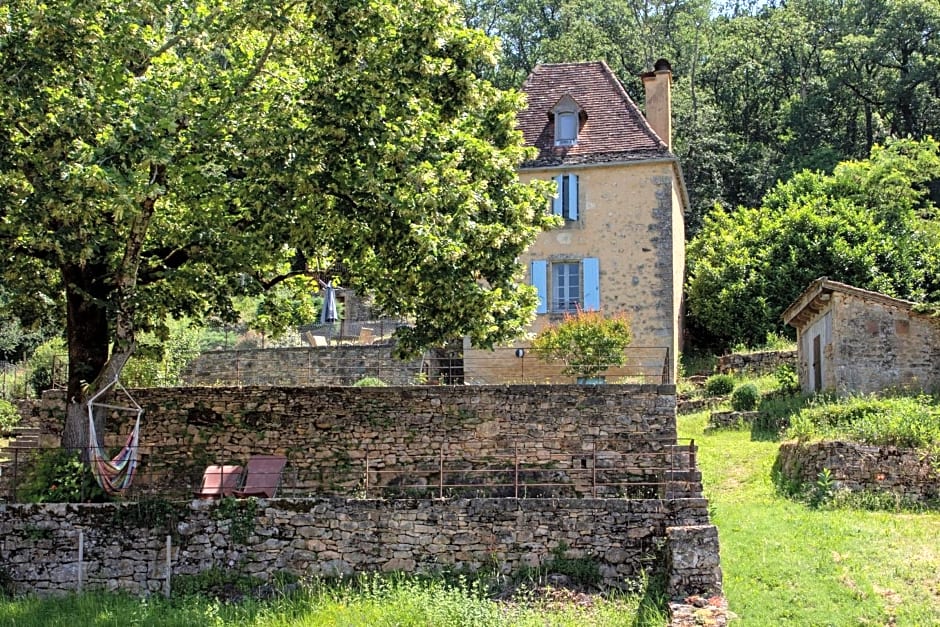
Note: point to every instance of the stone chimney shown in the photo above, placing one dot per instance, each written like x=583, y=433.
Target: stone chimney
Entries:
x=658, y=86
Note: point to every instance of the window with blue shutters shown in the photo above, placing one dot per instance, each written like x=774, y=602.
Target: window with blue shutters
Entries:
x=566, y=286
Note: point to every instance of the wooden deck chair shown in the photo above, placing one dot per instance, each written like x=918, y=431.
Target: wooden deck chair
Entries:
x=219, y=481
x=262, y=476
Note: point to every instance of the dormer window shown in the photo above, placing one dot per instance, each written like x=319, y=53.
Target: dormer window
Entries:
x=568, y=115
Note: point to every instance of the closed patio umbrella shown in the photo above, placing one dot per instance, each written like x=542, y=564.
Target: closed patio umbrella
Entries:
x=328, y=313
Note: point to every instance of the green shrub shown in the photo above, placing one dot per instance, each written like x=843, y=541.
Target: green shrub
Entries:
x=787, y=379
x=47, y=365
x=719, y=385
x=8, y=415
x=745, y=397
x=370, y=382
x=59, y=476
x=587, y=343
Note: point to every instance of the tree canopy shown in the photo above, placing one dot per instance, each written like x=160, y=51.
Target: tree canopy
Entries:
x=762, y=89
x=871, y=223
x=157, y=158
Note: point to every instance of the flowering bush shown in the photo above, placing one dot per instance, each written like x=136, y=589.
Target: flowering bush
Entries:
x=587, y=342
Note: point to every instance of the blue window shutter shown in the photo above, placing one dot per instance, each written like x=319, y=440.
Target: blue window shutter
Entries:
x=592, y=283
x=557, y=201
x=539, y=271
x=572, y=197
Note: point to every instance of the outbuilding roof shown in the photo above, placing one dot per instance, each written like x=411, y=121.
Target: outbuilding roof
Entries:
x=816, y=297
x=613, y=130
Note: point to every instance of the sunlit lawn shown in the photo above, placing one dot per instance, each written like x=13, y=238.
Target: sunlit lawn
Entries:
x=785, y=563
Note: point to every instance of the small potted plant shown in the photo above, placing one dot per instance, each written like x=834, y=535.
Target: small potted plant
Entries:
x=587, y=342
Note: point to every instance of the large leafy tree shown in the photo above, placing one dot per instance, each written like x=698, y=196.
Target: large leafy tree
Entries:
x=157, y=158
x=871, y=223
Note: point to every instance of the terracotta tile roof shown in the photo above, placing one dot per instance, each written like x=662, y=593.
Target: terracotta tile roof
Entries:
x=615, y=130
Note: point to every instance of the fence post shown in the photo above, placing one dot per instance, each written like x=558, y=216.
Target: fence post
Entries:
x=515, y=448
x=692, y=460
x=440, y=483
x=169, y=567
x=81, y=556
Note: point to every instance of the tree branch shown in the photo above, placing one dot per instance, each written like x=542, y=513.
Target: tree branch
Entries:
x=258, y=66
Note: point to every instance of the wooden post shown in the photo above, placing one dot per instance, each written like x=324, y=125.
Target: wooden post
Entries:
x=81, y=557
x=169, y=567
x=440, y=483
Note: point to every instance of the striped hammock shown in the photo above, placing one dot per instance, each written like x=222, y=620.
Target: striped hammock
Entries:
x=116, y=474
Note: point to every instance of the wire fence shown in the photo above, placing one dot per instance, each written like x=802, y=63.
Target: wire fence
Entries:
x=523, y=472
x=367, y=363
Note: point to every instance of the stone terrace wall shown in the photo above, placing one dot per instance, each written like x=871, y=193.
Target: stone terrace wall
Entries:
x=756, y=363
x=326, y=365
x=906, y=472
x=331, y=536
x=327, y=433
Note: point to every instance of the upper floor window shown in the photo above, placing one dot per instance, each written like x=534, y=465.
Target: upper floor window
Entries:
x=565, y=203
x=567, y=114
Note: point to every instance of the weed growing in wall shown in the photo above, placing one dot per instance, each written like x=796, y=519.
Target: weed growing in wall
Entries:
x=157, y=514
x=241, y=516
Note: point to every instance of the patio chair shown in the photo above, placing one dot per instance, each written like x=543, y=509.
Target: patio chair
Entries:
x=219, y=481
x=262, y=476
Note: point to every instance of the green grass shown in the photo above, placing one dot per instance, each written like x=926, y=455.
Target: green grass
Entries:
x=785, y=563
x=905, y=421
x=372, y=601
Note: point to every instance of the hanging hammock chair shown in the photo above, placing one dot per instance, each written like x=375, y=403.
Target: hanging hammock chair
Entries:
x=114, y=475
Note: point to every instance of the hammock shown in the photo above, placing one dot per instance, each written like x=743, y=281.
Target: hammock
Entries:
x=113, y=475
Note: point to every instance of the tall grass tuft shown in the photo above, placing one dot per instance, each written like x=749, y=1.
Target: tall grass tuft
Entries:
x=903, y=421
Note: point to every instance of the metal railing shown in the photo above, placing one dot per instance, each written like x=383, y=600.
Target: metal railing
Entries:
x=524, y=472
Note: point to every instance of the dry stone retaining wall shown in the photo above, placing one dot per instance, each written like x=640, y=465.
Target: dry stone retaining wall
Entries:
x=756, y=363
x=908, y=473
x=328, y=433
x=323, y=365
x=332, y=536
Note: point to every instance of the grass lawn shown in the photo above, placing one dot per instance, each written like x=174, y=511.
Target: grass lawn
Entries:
x=376, y=602
x=785, y=563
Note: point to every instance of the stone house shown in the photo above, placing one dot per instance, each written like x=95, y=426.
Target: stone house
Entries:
x=622, y=197
x=853, y=341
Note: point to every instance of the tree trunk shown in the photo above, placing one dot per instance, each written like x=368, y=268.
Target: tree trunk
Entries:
x=88, y=339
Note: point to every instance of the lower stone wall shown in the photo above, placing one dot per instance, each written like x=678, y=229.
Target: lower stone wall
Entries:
x=125, y=545
x=908, y=473
x=763, y=362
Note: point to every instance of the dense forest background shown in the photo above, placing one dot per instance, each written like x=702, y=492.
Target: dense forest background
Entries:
x=762, y=89
x=769, y=98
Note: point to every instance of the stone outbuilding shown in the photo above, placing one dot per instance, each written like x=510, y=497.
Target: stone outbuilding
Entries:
x=854, y=341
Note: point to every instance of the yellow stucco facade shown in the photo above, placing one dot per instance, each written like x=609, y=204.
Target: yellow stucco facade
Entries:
x=630, y=219
x=622, y=198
